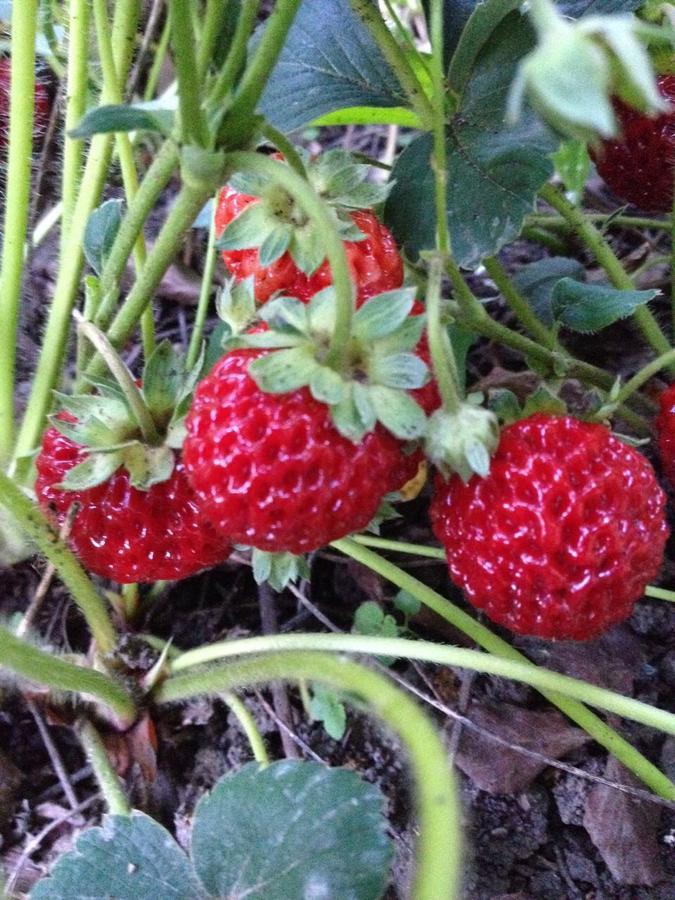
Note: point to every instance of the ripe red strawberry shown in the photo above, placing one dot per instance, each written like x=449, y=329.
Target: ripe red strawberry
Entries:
x=277, y=245
x=271, y=470
x=640, y=165
x=124, y=533
x=665, y=427
x=42, y=102
x=562, y=536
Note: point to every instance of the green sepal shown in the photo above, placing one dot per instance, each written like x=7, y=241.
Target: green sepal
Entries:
x=400, y=370
x=462, y=442
x=321, y=312
x=148, y=465
x=364, y=406
x=248, y=229
x=96, y=468
x=278, y=569
x=327, y=386
x=275, y=244
x=162, y=380
x=307, y=248
x=383, y=314
x=286, y=314
x=505, y=405
x=284, y=371
x=398, y=412
x=543, y=400
x=236, y=306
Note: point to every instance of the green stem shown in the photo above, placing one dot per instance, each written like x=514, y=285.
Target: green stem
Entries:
x=71, y=263
x=236, y=55
x=204, y=297
x=158, y=62
x=665, y=361
x=427, y=651
x=76, y=105
x=658, y=593
x=192, y=122
x=592, y=724
x=31, y=519
x=214, y=19
x=39, y=667
x=518, y=304
x=442, y=357
x=604, y=254
x=306, y=197
x=438, y=814
x=249, y=727
x=18, y=187
x=603, y=220
x=124, y=151
x=281, y=142
x=370, y=15
x=183, y=213
x=239, y=122
x=107, y=778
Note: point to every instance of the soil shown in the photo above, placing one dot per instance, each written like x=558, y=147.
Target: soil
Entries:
x=547, y=815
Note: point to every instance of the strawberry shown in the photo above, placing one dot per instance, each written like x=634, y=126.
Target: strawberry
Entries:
x=117, y=456
x=265, y=217
x=665, y=428
x=639, y=166
x=286, y=454
x=562, y=536
x=121, y=532
x=42, y=103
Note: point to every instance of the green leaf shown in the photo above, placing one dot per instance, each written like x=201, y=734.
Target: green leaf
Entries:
x=139, y=117
x=455, y=16
x=407, y=604
x=494, y=171
x=94, y=470
x=128, y=858
x=100, y=233
x=370, y=115
x=479, y=28
x=461, y=342
x=249, y=229
x=398, y=412
x=162, y=380
x=383, y=314
x=573, y=164
x=591, y=307
x=292, y=830
x=536, y=281
x=329, y=62
x=577, y=8
x=283, y=370
x=371, y=620
x=400, y=370
x=327, y=708
x=504, y=404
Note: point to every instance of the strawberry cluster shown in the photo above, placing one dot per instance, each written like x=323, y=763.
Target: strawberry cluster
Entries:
x=553, y=527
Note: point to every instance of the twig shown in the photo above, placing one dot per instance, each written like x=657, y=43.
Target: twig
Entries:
x=285, y=730
x=270, y=625
x=54, y=756
x=148, y=37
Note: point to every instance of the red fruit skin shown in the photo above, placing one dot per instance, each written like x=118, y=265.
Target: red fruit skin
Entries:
x=563, y=535
x=42, y=102
x=125, y=534
x=374, y=262
x=665, y=431
x=639, y=167
x=271, y=471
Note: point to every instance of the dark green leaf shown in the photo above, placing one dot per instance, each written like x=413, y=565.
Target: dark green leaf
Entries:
x=577, y=8
x=591, y=307
x=291, y=830
x=162, y=379
x=536, y=281
x=455, y=16
x=504, y=404
x=480, y=26
x=100, y=233
x=329, y=62
x=129, y=858
x=461, y=342
x=494, y=171
x=327, y=708
x=141, y=117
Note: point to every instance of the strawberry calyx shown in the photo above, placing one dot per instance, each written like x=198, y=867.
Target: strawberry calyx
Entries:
x=277, y=569
x=462, y=442
x=381, y=365
x=275, y=224
x=130, y=425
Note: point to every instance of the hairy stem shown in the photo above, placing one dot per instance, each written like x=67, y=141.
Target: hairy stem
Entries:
x=518, y=304
x=249, y=727
x=192, y=123
x=18, y=185
x=236, y=56
x=31, y=519
x=204, y=296
x=107, y=778
x=438, y=814
x=39, y=667
x=76, y=105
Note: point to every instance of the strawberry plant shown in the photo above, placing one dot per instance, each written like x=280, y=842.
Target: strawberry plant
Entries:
x=366, y=305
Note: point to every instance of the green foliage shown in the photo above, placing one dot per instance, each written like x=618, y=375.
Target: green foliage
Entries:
x=591, y=307
x=151, y=116
x=537, y=280
x=100, y=233
x=287, y=830
x=327, y=707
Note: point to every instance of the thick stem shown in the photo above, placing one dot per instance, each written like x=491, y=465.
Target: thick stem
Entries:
x=214, y=19
x=192, y=123
x=18, y=187
x=39, y=667
x=204, y=298
x=76, y=105
x=370, y=15
x=576, y=711
x=306, y=197
x=282, y=143
x=107, y=778
x=426, y=651
x=236, y=55
x=249, y=727
x=442, y=360
x=31, y=519
x=604, y=254
x=183, y=213
x=239, y=121
x=438, y=813
x=518, y=304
